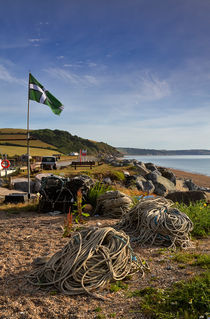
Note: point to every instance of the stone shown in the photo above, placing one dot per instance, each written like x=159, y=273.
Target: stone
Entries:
x=141, y=169
x=150, y=166
x=107, y=180
x=167, y=174
x=187, y=197
x=145, y=186
x=163, y=186
x=153, y=176
x=181, y=186
x=191, y=186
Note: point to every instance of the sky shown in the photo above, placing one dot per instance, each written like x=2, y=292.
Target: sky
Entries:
x=130, y=73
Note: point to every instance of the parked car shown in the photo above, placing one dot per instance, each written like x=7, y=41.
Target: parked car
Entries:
x=49, y=162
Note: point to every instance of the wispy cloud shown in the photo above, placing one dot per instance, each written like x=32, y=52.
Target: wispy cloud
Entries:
x=60, y=57
x=34, y=40
x=75, y=79
x=152, y=88
x=6, y=76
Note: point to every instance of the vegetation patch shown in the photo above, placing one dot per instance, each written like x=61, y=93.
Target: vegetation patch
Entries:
x=21, y=207
x=193, y=259
x=187, y=300
x=199, y=214
x=95, y=191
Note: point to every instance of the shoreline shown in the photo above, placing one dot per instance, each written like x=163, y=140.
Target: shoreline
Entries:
x=199, y=179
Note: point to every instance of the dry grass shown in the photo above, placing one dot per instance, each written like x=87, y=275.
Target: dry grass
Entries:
x=19, y=150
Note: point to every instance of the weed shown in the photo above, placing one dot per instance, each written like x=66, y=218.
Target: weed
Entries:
x=183, y=300
x=21, y=207
x=97, y=190
x=98, y=309
x=118, y=285
x=199, y=214
x=118, y=175
x=113, y=315
x=68, y=224
x=194, y=259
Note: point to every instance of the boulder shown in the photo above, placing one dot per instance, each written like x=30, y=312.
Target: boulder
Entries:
x=150, y=166
x=145, y=185
x=107, y=180
x=23, y=186
x=163, y=186
x=152, y=176
x=130, y=180
x=141, y=169
x=187, y=197
x=191, y=186
x=181, y=186
x=167, y=174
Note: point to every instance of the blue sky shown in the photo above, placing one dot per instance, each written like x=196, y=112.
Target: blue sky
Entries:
x=132, y=73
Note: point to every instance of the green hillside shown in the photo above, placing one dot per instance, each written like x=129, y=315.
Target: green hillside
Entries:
x=66, y=143
x=51, y=140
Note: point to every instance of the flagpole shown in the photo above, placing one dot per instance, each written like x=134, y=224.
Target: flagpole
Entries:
x=28, y=146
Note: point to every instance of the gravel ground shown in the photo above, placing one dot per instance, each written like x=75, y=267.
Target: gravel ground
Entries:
x=26, y=236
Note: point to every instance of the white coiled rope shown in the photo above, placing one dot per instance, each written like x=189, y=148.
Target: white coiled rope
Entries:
x=154, y=221
x=92, y=258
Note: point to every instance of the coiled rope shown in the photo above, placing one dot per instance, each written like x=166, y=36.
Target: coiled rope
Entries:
x=153, y=221
x=92, y=257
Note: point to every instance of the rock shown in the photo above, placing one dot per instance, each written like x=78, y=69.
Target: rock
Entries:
x=191, y=186
x=21, y=184
x=130, y=180
x=163, y=186
x=141, y=169
x=145, y=185
x=150, y=166
x=126, y=173
x=181, y=186
x=187, y=197
x=107, y=180
x=167, y=174
x=152, y=176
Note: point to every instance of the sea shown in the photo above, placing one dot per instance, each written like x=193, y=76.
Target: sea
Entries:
x=199, y=164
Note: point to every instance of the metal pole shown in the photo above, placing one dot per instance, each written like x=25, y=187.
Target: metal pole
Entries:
x=28, y=146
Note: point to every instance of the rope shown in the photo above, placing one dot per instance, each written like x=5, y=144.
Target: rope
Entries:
x=92, y=257
x=113, y=204
x=153, y=221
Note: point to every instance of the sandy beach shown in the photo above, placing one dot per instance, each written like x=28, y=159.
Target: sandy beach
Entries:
x=199, y=179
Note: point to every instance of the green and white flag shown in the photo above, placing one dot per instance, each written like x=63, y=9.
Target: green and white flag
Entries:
x=38, y=93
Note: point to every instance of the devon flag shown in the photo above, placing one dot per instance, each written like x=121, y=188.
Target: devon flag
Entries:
x=38, y=93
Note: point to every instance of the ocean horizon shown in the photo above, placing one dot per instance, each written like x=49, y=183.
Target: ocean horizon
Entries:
x=198, y=164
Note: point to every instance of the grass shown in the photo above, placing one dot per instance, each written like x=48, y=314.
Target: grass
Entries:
x=187, y=300
x=193, y=259
x=199, y=214
x=118, y=285
x=97, y=190
x=20, y=150
x=17, y=208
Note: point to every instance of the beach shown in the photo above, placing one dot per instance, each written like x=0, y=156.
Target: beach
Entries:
x=199, y=179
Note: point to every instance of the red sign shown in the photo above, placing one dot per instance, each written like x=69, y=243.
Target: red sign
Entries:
x=5, y=163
